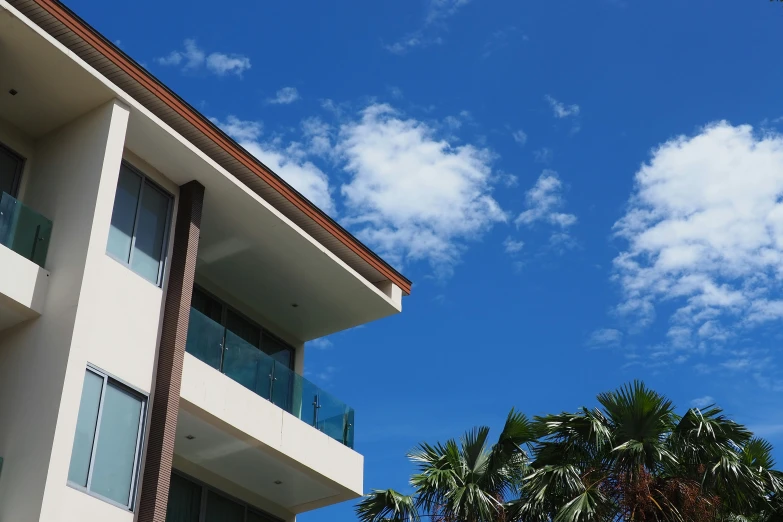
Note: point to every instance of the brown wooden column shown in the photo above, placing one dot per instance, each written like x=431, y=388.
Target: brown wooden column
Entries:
x=165, y=401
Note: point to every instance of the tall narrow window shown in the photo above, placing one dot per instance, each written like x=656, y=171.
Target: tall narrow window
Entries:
x=139, y=224
x=106, y=448
x=10, y=171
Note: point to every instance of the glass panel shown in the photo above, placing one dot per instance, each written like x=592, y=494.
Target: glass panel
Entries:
x=247, y=365
x=305, y=393
x=115, y=453
x=10, y=169
x=351, y=418
x=205, y=339
x=243, y=328
x=23, y=230
x=123, y=217
x=332, y=416
x=221, y=509
x=150, y=232
x=85, y=429
x=282, y=390
x=279, y=351
x=207, y=305
x=184, y=500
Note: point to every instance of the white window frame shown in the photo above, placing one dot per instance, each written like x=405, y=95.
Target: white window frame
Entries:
x=108, y=378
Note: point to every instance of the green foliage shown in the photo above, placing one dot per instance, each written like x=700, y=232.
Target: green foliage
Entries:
x=631, y=459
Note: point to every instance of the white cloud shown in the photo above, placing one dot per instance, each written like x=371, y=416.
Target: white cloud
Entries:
x=519, y=136
x=192, y=57
x=222, y=64
x=605, y=337
x=319, y=137
x=561, y=110
x=704, y=233
x=702, y=402
x=512, y=246
x=544, y=201
x=543, y=155
x=442, y=9
x=438, y=12
x=406, y=190
x=285, y=96
x=240, y=130
x=287, y=162
x=411, y=195
x=320, y=344
x=303, y=175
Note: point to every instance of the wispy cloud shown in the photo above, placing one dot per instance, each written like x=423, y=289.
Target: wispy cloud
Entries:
x=702, y=402
x=434, y=23
x=321, y=344
x=605, y=337
x=544, y=201
x=513, y=246
x=519, y=136
x=561, y=110
x=288, y=161
x=542, y=155
x=191, y=58
x=240, y=130
x=500, y=39
x=285, y=96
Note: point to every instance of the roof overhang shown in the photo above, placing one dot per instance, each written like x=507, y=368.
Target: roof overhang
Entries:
x=89, y=45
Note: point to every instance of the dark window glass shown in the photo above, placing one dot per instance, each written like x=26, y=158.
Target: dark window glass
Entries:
x=184, y=500
x=10, y=171
x=243, y=328
x=221, y=509
x=139, y=224
x=150, y=233
x=123, y=218
x=279, y=351
x=207, y=305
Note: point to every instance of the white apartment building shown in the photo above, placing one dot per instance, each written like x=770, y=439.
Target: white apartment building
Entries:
x=157, y=286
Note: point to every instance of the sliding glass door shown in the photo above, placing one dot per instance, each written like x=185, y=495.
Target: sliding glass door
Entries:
x=190, y=501
x=10, y=171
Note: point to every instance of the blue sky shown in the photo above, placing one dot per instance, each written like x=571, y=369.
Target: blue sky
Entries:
x=584, y=193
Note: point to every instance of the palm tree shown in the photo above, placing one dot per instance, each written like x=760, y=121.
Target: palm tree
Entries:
x=466, y=481
x=635, y=459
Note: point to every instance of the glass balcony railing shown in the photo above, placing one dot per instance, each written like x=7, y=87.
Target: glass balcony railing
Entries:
x=23, y=230
x=225, y=351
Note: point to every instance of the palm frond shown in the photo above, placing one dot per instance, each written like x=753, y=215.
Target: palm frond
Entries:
x=387, y=506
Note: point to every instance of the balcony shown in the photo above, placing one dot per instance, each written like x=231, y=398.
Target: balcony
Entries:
x=24, y=241
x=23, y=230
x=260, y=373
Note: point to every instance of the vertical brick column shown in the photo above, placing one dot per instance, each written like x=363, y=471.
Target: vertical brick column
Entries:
x=171, y=356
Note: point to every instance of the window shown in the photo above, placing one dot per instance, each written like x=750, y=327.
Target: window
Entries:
x=190, y=501
x=106, y=448
x=139, y=224
x=11, y=165
x=242, y=327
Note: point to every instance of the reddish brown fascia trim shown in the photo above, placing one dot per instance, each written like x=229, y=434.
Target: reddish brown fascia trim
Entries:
x=91, y=36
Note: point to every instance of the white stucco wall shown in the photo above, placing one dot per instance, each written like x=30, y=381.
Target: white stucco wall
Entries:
x=38, y=383
x=270, y=427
